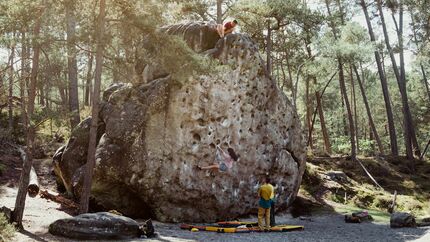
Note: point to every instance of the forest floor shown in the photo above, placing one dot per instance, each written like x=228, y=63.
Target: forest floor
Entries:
x=321, y=204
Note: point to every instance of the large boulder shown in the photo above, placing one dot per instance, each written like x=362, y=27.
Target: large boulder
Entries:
x=157, y=133
x=400, y=220
x=89, y=226
x=200, y=36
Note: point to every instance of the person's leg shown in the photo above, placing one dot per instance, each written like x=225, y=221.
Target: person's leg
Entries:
x=272, y=214
x=211, y=167
x=267, y=216
x=260, y=217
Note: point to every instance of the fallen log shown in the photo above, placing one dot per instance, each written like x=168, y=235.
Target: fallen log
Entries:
x=33, y=185
x=59, y=199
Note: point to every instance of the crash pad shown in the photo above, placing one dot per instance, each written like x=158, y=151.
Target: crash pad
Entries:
x=242, y=228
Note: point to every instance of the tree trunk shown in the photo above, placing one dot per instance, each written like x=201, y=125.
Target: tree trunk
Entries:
x=399, y=78
x=219, y=11
x=11, y=80
x=41, y=95
x=72, y=64
x=86, y=189
x=269, y=48
x=24, y=74
x=343, y=88
x=309, y=114
x=327, y=145
x=408, y=119
x=47, y=97
x=382, y=77
x=89, y=78
x=348, y=108
x=426, y=84
x=369, y=113
x=354, y=107
x=26, y=169
x=290, y=75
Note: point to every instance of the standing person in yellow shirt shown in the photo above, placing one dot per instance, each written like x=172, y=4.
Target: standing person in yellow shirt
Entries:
x=265, y=192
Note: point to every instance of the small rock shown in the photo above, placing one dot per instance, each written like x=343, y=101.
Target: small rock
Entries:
x=337, y=176
x=305, y=218
x=399, y=220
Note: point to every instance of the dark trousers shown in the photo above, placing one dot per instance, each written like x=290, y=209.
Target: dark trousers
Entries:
x=272, y=214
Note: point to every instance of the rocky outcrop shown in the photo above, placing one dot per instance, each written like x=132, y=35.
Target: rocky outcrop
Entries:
x=200, y=36
x=156, y=134
x=400, y=220
x=100, y=226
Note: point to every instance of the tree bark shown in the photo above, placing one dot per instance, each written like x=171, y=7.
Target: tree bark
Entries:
x=308, y=114
x=41, y=95
x=369, y=113
x=348, y=109
x=354, y=107
x=343, y=89
x=269, y=48
x=219, y=11
x=382, y=77
x=26, y=169
x=33, y=185
x=409, y=132
x=10, y=96
x=326, y=138
x=89, y=78
x=72, y=64
x=426, y=84
x=24, y=77
x=86, y=189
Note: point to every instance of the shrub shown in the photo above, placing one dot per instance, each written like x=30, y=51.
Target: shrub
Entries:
x=6, y=229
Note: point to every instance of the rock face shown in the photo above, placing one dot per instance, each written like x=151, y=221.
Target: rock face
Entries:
x=96, y=226
x=156, y=134
x=200, y=36
x=400, y=220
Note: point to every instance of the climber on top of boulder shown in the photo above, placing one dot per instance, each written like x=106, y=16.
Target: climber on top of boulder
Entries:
x=227, y=28
x=224, y=160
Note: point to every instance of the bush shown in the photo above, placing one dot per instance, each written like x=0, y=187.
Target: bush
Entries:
x=6, y=229
x=366, y=146
x=2, y=168
x=342, y=145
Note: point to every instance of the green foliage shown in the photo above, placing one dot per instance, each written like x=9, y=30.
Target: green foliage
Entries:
x=366, y=146
x=341, y=145
x=2, y=168
x=7, y=230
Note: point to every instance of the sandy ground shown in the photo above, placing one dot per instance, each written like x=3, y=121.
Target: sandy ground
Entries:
x=39, y=213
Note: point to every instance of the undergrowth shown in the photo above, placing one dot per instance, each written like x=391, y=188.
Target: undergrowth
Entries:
x=408, y=178
x=7, y=230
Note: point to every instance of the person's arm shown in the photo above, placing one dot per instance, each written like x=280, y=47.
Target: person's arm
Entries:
x=272, y=195
x=228, y=31
x=224, y=154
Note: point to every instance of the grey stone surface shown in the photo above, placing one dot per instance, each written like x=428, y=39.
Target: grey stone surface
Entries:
x=400, y=219
x=90, y=226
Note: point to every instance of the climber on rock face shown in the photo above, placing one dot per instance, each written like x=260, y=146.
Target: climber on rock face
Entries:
x=227, y=28
x=224, y=160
